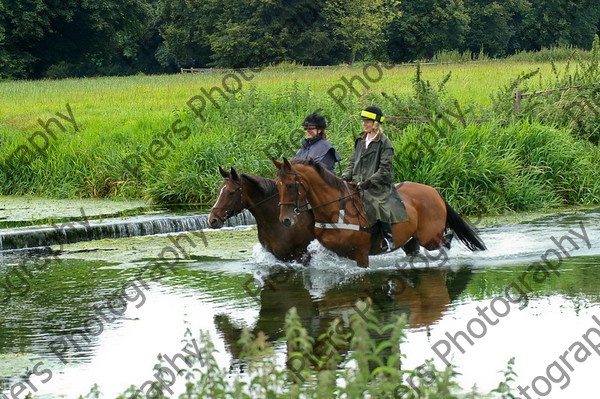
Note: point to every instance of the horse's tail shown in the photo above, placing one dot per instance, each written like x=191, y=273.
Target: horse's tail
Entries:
x=463, y=231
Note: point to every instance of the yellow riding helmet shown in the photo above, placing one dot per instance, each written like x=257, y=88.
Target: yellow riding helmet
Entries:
x=373, y=113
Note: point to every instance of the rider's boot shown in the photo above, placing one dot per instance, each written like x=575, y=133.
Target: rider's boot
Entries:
x=387, y=243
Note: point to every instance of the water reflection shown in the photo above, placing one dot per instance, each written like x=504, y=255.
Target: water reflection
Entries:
x=53, y=311
x=49, y=303
x=58, y=298
x=421, y=295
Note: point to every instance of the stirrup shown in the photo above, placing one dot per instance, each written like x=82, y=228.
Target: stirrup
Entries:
x=387, y=245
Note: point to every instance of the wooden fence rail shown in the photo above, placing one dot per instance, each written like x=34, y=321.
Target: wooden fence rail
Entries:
x=426, y=119
x=218, y=70
x=518, y=95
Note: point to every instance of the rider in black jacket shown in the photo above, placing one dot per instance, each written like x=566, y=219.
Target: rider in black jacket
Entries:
x=315, y=145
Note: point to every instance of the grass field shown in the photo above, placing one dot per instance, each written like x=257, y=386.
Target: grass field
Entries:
x=136, y=137
x=113, y=103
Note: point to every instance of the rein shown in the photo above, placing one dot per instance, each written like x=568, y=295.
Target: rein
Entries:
x=295, y=204
x=318, y=206
x=340, y=224
x=232, y=210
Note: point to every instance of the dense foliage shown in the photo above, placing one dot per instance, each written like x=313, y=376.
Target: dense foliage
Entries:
x=55, y=38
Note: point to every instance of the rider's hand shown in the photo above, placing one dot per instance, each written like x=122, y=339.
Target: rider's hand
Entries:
x=365, y=185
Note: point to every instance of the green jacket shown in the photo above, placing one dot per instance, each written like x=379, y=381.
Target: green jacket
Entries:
x=381, y=201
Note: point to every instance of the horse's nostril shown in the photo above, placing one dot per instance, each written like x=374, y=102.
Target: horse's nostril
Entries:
x=213, y=223
x=287, y=222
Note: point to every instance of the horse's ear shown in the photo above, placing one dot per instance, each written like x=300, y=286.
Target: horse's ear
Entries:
x=276, y=163
x=234, y=175
x=224, y=173
x=286, y=164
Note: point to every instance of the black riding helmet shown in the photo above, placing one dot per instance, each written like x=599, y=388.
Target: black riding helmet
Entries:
x=373, y=113
x=315, y=120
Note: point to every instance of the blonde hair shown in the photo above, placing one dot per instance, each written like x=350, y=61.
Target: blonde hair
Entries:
x=377, y=128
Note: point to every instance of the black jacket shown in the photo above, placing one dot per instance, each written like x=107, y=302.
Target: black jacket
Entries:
x=321, y=151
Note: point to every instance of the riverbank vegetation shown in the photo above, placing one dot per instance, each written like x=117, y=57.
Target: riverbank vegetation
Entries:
x=161, y=138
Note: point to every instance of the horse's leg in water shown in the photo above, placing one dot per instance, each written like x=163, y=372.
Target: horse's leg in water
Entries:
x=411, y=248
x=447, y=240
x=375, y=239
x=361, y=256
x=306, y=257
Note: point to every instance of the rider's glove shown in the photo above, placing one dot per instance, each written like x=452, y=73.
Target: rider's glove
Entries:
x=365, y=185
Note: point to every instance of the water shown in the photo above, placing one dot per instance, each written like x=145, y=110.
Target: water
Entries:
x=53, y=297
x=72, y=231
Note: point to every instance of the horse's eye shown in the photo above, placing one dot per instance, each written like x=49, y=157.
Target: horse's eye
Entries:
x=230, y=194
x=291, y=187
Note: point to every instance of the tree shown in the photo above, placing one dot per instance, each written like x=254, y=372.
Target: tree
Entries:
x=184, y=26
x=428, y=26
x=262, y=32
x=583, y=19
x=305, y=34
x=494, y=26
x=42, y=33
x=230, y=33
x=560, y=22
x=360, y=24
x=14, y=63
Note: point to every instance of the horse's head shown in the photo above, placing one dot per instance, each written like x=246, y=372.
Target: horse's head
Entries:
x=230, y=200
x=292, y=192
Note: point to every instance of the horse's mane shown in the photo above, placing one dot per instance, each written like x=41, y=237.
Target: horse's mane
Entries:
x=325, y=174
x=266, y=186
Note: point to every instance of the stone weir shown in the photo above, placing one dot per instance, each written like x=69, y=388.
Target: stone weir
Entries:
x=87, y=230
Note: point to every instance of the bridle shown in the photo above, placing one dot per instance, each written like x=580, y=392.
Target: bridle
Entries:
x=297, y=207
x=231, y=211
x=239, y=204
x=295, y=204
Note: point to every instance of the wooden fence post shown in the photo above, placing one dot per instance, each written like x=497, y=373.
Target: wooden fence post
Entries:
x=517, y=101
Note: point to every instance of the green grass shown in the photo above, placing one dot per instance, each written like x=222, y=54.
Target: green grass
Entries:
x=485, y=168
x=557, y=53
x=120, y=116
x=121, y=103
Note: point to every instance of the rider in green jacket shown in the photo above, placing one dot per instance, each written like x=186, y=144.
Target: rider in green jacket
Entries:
x=371, y=169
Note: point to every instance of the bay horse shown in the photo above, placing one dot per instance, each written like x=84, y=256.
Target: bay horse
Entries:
x=259, y=196
x=340, y=222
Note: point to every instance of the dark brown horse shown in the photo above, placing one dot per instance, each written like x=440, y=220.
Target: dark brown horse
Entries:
x=340, y=222
x=259, y=196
